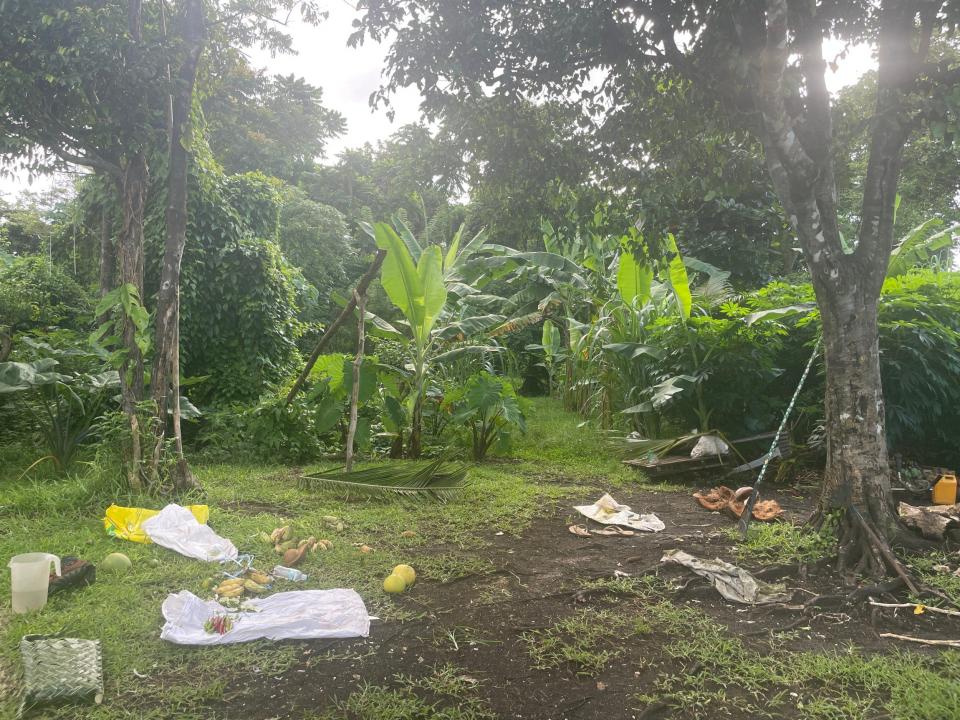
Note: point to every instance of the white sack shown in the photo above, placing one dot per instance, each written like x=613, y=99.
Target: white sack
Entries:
x=709, y=445
x=300, y=614
x=176, y=528
x=608, y=511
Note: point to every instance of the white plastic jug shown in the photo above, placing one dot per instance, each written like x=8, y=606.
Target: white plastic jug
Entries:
x=29, y=580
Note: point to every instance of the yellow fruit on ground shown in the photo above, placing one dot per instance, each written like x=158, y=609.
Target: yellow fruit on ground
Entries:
x=394, y=584
x=408, y=574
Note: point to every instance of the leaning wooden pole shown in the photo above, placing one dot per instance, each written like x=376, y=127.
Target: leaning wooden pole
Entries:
x=361, y=289
x=361, y=301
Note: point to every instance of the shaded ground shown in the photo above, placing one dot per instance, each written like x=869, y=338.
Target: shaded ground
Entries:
x=478, y=635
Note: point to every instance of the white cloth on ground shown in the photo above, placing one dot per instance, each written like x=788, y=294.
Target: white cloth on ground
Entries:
x=608, y=511
x=176, y=528
x=299, y=614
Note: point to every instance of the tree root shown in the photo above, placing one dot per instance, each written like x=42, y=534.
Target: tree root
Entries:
x=861, y=551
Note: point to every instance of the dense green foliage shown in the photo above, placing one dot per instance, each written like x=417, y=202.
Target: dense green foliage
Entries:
x=35, y=294
x=272, y=124
x=240, y=297
x=316, y=239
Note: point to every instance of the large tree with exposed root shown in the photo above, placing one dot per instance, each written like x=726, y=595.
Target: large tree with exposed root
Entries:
x=760, y=62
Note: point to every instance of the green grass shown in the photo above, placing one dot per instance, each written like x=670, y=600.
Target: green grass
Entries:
x=64, y=516
x=695, y=664
x=782, y=542
x=586, y=641
x=446, y=693
x=929, y=568
x=813, y=686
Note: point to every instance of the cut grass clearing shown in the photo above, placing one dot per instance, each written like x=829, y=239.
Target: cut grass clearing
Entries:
x=64, y=516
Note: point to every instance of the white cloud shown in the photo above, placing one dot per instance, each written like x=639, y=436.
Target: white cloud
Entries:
x=347, y=75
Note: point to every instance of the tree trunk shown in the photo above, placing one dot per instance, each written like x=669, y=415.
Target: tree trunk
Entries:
x=165, y=380
x=416, y=429
x=798, y=153
x=361, y=301
x=108, y=265
x=133, y=193
x=857, y=472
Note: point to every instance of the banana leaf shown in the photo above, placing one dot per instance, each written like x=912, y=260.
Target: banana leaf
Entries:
x=438, y=479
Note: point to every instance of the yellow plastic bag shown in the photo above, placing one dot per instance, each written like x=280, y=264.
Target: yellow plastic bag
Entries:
x=127, y=523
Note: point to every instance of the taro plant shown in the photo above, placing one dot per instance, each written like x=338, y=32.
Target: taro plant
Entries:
x=67, y=406
x=488, y=407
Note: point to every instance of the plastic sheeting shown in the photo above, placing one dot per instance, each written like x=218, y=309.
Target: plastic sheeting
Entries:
x=608, y=511
x=176, y=528
x=127, y=522
x=733, y=582
x=300, y=614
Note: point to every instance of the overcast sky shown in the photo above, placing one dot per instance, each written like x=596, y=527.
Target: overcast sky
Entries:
x=348, y=76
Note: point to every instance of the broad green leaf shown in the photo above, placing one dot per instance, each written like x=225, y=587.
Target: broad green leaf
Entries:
x=409, y=239
x=916, y=248
x=780, y=313
x=451, y=257
x=634, y=350
x=679, y=281
x=368, y=379
x=434, y=293
x=17, y=376
x=395, y=415
x=399, y=275
x=327, y=413
x=550, y=338
x=633, y=280
x=460, y=352
x=330, y=366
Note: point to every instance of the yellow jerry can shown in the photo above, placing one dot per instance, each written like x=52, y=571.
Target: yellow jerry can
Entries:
x=945, y=490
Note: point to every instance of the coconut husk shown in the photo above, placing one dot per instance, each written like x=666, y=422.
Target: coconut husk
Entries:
x=293, y=556
x=723, y=498
x=716, y=499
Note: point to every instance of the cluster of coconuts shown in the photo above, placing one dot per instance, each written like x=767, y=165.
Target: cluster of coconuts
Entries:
x=402, y=577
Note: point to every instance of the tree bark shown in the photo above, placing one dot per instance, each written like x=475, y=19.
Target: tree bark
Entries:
x=133, y=193
x=798, y=152
x=361, y=301
x=857, y=472
x=108, y=265
x=416, y=429
x=165, y=381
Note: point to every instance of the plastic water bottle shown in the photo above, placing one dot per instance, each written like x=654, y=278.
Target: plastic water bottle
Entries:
x=285, y=573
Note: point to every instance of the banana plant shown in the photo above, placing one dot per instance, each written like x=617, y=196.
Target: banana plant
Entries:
x=550, y=346
x=414, y=279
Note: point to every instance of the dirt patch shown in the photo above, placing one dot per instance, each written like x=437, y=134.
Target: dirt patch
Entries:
x=482, y=623
x=255, y=507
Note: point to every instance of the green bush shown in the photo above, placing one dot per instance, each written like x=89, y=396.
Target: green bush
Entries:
x=919, y=318
x=920, y=363
x=488, y=409
x=240, y=298
x=35, y=294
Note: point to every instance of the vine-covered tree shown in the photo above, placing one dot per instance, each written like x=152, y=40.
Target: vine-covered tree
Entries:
x=108, y=85
x=763, y=63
